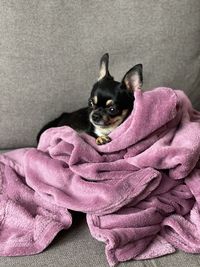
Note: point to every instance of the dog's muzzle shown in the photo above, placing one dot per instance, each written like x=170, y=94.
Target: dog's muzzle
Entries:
x=99, y=119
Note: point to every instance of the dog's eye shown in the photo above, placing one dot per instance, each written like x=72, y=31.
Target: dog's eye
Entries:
x=112, y=109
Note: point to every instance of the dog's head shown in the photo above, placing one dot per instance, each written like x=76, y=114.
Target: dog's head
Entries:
x=111, y=101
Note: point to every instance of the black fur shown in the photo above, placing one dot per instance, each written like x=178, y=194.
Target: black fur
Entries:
x=78, y=120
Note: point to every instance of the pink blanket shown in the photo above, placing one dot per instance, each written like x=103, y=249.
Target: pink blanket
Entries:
x=141, y=191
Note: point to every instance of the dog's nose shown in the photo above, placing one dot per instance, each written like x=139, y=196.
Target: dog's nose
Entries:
x=96, y=117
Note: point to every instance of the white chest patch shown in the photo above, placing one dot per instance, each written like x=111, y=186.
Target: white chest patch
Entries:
x=103, y=131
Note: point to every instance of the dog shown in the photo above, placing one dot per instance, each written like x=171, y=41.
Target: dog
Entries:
x=109, y=104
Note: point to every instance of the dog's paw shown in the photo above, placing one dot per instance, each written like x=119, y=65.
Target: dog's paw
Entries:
x=104, y=139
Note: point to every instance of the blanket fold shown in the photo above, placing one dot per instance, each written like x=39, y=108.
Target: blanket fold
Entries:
x=140, y=191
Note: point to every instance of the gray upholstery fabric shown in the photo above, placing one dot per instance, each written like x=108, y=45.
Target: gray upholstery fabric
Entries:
x=50, y=51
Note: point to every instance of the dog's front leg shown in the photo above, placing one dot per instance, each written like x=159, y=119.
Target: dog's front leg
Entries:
x=103, y=139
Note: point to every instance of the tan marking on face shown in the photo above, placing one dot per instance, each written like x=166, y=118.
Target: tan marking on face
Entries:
x=95, y=99
x=124, y=112
x=119, y=118
x=109, y=102
x=105, y=119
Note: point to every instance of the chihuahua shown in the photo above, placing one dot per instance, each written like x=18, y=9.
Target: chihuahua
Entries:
x=110, y=103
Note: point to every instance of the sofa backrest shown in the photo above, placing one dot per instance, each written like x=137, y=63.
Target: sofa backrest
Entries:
x=50, y=52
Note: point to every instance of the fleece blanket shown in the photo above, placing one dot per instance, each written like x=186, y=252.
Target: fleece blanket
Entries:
x=141, y=191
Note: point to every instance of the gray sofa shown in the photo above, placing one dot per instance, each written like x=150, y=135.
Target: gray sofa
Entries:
x=49, y=58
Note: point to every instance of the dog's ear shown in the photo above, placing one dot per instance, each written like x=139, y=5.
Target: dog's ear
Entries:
x=104, y=67
x=133, y=79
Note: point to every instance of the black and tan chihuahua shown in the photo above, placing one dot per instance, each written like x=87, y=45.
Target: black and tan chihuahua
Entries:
x=109, y=104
